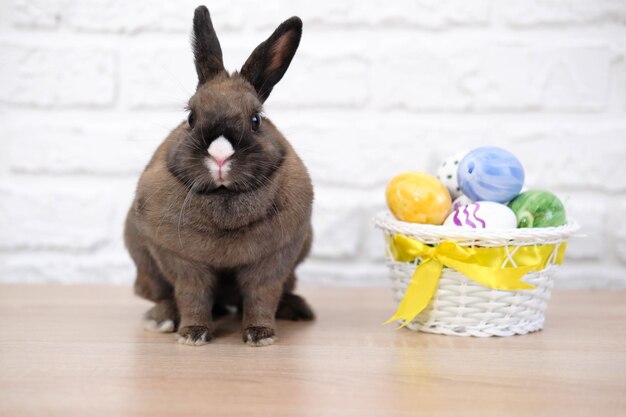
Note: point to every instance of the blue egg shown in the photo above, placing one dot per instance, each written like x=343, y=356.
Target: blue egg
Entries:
x=490, y=174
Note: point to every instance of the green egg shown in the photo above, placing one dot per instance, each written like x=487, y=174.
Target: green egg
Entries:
x=536, y=208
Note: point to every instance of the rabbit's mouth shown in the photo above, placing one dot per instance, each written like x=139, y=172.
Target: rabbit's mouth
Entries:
x=219, y=170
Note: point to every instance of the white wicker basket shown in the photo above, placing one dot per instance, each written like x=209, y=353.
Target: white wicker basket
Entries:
x=463, y=307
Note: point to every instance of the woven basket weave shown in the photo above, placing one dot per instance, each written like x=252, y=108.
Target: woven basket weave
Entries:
x=463, y=307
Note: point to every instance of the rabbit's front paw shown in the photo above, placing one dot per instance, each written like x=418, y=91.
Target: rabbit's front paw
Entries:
x=259, y=336
x=194, y=335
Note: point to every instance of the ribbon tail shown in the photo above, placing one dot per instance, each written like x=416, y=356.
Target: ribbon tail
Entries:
x=419, y=292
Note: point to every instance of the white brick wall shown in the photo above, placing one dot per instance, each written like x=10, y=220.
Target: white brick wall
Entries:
x=89, y=88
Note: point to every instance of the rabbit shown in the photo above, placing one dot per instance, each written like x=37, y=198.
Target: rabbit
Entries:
x=222, y=212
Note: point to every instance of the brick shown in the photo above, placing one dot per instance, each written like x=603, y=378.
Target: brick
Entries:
x=423, y=13
x=542, y=12
x=574, y=158
x=350, y=274
x=409, y=13
x=4, y=151
x=326, y=153
x=575, y=275
x=571, y=78
x=38, y=216
x=58, y=77
x=85, y=148
x=332, y=81
x=374, y=238
x=162, y=78
x=40, y=14
x=618, y=231
x=66, y=268
x=491, y=77
x=590, y=211
x=317, y=14
x=422, y=79
x=143, y=15
x=337, y=225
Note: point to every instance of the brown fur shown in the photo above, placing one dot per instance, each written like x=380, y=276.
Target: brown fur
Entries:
x=199, y=246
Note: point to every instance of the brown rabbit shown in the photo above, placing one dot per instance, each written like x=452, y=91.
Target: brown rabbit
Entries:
x=222, y=212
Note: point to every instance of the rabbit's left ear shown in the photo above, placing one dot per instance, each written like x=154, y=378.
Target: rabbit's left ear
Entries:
x=269, y=61
x=206, y=47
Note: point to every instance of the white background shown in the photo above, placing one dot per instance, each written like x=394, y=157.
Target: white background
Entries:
x=88, y=89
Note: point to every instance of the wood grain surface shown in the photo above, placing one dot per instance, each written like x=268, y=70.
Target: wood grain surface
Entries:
x=81, y=351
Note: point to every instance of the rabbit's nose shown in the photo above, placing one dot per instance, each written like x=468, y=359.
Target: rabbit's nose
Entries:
x=220, y=150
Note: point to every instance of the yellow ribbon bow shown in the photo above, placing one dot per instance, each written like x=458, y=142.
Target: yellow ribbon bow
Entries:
x=487, y=266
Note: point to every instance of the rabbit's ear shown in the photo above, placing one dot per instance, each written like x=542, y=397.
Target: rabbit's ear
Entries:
x=269, y=61
x=206, y=47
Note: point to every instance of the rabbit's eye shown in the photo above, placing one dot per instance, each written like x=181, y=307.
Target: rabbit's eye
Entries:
x=191, y=119
x=256, y=122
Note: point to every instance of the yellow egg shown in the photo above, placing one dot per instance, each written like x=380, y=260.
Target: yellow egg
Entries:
x=418, y=197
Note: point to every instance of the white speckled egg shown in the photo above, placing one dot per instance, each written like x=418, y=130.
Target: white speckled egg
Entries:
x=482, y=215
x=447, y=173
x=461, y=201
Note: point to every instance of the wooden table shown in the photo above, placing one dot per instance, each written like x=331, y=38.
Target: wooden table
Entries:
x=81, y=351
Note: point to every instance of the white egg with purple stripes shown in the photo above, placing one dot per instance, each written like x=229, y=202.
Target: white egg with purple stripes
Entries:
x=482, y=215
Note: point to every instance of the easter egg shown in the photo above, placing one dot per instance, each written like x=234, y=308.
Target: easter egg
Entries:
x=446, y=173
x=419, y=198
x=490, y=174
x=461, y=201
x=482, y=215
x=536, y=208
